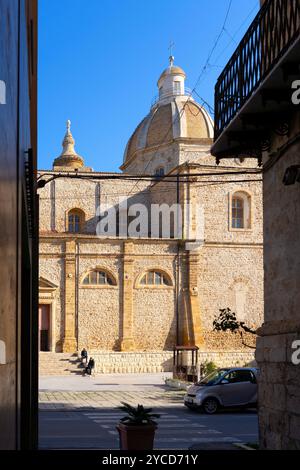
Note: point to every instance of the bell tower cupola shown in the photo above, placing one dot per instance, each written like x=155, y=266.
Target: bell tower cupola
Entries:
x=68, y=158
x=171, y=82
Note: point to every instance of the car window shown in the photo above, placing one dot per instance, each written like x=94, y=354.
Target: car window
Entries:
x=236, y=376
x=212, y=378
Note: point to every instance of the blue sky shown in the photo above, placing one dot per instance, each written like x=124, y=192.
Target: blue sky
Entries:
x=99, y=62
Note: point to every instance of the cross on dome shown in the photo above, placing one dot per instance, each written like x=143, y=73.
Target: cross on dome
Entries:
x=171, y=45
x=171, y=81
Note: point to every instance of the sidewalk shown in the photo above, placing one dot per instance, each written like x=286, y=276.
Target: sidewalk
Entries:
x=105, y=382
x=105, y=391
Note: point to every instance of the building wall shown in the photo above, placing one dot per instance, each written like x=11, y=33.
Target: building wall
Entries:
x=279, y=388
x=154, y=309
x=63, y=194
x=8, y=192
x=215, y=200
x=162, y=361
x=222, y=271
x=229, y=271
x=18, y=266
x=51, y=267
x=146, y=161
x=99, y=307
x=231, y=260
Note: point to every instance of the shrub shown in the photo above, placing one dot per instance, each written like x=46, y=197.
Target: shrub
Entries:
x=207, y=367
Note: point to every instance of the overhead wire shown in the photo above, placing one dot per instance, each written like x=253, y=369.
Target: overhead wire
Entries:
x=232, y=38
x=200, y=185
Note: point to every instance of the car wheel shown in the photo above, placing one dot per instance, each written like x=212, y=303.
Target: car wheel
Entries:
x=210, y=406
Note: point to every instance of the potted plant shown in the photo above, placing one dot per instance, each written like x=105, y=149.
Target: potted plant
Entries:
x=137, y=429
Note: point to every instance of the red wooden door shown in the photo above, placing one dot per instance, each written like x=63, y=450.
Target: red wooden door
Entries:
x=44, y=327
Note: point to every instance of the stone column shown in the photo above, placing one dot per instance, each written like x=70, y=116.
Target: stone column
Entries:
x=192, y=332
x=127, y=342
x=70, y=342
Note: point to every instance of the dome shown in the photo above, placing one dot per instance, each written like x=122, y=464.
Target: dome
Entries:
x=172, y=70
x=174, y=115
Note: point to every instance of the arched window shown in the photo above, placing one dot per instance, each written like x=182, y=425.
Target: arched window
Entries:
x=177, y=87
x=75, y=220
x=160, y=171
x=155, y=278
x=237, y=212
x=99, y=277
x=240, y=210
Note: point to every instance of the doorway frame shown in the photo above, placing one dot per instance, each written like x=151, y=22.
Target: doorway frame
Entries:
x=47, y=296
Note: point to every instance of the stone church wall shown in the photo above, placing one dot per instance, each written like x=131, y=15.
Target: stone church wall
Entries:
x=229, y=277
x=51, y=267
x=229, y=272
x=98, y=306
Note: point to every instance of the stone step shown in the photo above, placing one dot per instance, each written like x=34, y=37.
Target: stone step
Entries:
x=51, y=363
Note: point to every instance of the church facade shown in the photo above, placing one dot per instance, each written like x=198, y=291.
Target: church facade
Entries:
x=129, y=296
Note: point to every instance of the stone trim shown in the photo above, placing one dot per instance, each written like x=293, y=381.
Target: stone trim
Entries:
x=183, y=140
x=279, y=327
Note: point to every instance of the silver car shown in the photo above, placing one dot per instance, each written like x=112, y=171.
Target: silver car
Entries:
x=228, y=387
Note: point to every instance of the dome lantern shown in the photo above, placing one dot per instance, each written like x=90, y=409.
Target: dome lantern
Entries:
x=171, y=81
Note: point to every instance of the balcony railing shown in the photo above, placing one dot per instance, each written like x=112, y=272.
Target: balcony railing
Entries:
x=273, y=31
x=171, y=92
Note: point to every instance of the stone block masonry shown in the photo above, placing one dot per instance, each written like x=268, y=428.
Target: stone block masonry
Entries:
x=153, y=362
x=130, y=316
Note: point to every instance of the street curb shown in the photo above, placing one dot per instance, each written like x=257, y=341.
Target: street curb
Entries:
x=242, y=446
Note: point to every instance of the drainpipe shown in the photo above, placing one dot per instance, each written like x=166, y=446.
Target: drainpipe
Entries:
x=177, y=267
x=76, y=290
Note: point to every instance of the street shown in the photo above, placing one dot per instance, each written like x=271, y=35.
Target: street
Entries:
x=178, y=428
x=84, y=414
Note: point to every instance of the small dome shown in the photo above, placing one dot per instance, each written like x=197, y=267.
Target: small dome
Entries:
x=68, y=157
x=174, y=115
x=172, y=70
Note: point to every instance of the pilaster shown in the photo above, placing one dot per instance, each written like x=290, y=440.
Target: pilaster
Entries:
x=127, y=342
x=70, y=342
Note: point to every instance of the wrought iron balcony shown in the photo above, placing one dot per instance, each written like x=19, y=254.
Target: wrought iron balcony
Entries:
x=249, y=80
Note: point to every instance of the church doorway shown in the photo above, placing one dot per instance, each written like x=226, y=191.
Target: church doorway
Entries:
x=44, y=327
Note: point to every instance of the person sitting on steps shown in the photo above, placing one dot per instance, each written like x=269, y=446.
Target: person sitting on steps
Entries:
x=90, y=367
x=84, y=355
